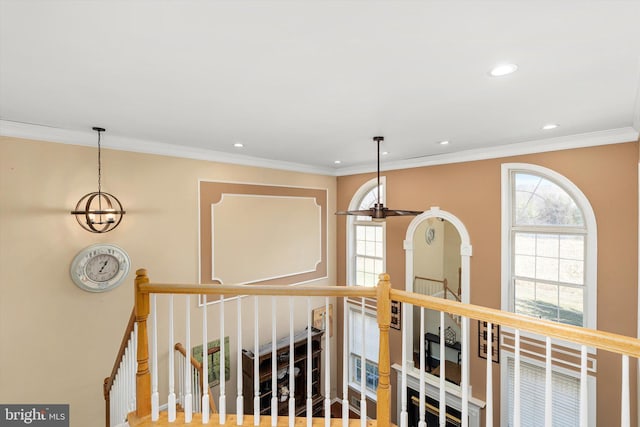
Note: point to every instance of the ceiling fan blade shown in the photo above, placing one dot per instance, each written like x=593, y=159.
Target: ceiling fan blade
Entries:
x=366, y=212
x=399, y=212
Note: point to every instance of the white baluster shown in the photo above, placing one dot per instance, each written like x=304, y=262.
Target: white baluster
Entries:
x=181, y=379
x=292, y=376
x=309, y=363
x=404, y=416
x=465, y=372
x=443, y=359
x=274, y=365
x=239, y=399
x=256, y=362
x=171, y=399
x=124, y=398
x=363, y=369
x=205, y=363
x=327, y=369
x=548, y=391
x=223, y=369
x=625, y=415
x=516, y=382
x=134, y=361
x=188, y=402
x=584, y=397
x=345, y=363
x=155, y=398
x=422, y=422
x=489, y=393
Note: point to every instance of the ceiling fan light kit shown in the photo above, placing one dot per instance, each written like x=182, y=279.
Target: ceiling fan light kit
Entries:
x=378, y=212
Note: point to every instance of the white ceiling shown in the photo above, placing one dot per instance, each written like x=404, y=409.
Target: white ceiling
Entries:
x=304, y=83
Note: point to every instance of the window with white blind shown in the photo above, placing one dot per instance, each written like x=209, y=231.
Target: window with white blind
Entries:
x=549, y=267
x=566, y=396
x=363, y=341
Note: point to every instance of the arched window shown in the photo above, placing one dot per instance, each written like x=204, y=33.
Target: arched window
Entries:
x=548, y=271
x=550, y=245
x=365, y=238
x=365, y=261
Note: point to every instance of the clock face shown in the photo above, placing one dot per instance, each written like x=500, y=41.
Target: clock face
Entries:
x=100, y=267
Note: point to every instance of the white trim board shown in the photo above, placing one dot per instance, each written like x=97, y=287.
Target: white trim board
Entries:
x=67, y=136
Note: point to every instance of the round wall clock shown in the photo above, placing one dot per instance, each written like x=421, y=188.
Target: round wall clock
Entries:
x=430, y=235
x=100, y=267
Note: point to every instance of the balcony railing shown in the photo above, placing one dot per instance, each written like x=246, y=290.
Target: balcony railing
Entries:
x=273, y=302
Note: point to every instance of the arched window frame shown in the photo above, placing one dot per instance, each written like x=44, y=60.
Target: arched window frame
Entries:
x=590, y=259
x=353, y=221
x=353, y=307
x=590, y=274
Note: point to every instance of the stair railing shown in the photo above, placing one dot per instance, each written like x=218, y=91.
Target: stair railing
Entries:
x=119, y=387
x=198, y=377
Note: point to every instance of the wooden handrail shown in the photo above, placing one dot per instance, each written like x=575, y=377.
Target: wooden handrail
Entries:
x=196, y=364
x=445, y=285
x=269, y=290
x=590, y=337
x=108, y=382
x=429, y=279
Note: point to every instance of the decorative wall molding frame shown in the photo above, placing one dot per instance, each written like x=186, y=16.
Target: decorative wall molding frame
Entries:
x=281, y=205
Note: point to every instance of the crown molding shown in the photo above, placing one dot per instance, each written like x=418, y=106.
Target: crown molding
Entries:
x=592, y=139
x=115, y=142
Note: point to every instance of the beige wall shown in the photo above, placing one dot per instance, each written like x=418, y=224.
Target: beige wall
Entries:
x=607, y=175
x=59, y=342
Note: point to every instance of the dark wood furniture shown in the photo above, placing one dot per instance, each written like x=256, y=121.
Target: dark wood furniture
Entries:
x=433, y=338
x=301, y=361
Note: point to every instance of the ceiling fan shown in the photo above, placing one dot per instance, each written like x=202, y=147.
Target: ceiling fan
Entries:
x=378, y=212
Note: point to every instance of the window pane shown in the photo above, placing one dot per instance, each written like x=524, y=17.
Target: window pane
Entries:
x=370, y=249
x=547, y=245
x=360, y=247
x=571, y=305
x=379, y=250
x=360, y=232
x=547, y=268
x=525, y=266
x=525, y=243
x=572, y=247
x=525, y=295
x=572, y=271
x=539, y=201
x=546, y=301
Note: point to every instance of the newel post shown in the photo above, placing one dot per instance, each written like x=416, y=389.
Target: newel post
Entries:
x=383, y=414
x=143, y=376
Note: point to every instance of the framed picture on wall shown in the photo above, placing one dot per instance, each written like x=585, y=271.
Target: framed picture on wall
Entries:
x=396, y=307
x=494, y=347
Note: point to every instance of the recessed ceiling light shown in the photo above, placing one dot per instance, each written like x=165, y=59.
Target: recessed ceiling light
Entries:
x=443, y=142
x=238, y=145
x=549, y=126
x=503, y=70
x=384, y=153
x=337, y=162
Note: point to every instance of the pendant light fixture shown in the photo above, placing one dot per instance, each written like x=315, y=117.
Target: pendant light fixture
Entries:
x=98, y=212
x=378, y=212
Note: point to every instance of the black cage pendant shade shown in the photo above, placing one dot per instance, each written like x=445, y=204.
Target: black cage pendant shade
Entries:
x=99, y=212
x=378, y=212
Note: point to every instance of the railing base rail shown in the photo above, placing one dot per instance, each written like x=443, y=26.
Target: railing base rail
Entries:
x=231, y=421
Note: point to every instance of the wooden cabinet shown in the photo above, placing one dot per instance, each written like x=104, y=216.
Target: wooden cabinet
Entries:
x=301, y=362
